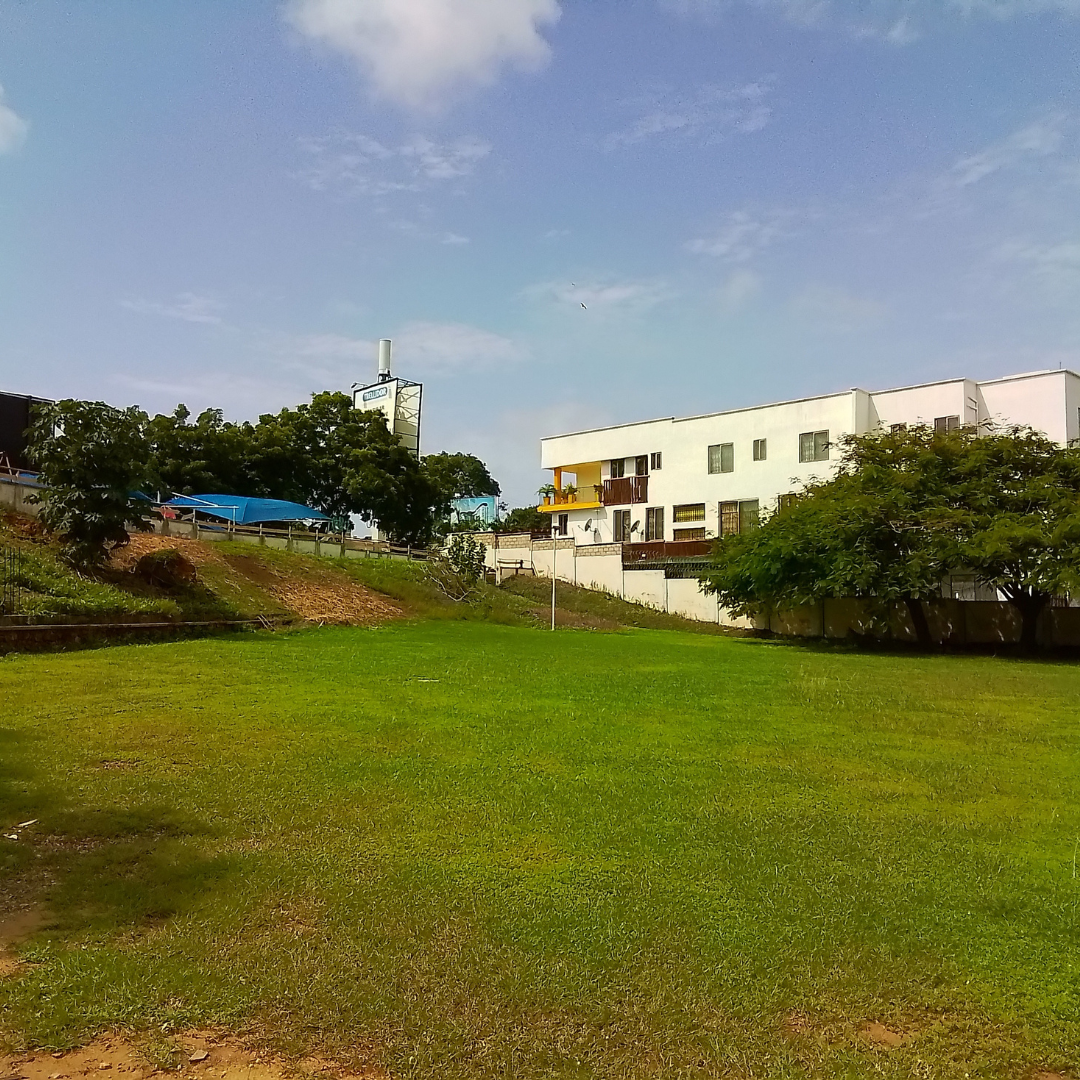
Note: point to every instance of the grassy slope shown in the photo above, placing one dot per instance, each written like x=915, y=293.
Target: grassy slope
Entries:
x=491, y=851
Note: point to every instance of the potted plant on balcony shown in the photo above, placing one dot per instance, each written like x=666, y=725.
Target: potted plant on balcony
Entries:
x=570, y=491
x=547, y=493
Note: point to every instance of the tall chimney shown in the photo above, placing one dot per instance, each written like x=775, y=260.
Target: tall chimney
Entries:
x=384, y=359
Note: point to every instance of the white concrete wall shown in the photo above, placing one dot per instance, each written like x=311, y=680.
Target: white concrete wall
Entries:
x=1038, y=400
x=923, y=404
x=1048, y=401
x=684, y=476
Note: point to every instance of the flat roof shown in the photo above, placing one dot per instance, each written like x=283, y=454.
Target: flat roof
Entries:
x=701, y=416
x=814, y=397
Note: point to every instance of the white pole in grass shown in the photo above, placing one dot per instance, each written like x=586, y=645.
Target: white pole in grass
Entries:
x=554, y=550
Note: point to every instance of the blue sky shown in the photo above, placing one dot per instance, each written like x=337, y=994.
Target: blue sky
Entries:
x=226, y=203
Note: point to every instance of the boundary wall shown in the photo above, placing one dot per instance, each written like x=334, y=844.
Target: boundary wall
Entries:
x=953, y=622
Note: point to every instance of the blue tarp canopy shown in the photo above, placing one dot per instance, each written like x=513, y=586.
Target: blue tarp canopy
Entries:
x=241, y=510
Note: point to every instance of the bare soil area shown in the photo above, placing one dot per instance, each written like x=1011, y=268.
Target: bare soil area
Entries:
x=318, y=594
x=199, y=1055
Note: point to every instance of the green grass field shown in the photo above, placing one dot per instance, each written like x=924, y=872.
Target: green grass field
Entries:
x=469, y=850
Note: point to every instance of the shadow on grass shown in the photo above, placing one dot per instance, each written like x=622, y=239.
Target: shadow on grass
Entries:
x=96, y=869
x=890, y=647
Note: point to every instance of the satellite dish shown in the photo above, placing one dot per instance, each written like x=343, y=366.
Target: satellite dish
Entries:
x=587, y=526
x=634, y=528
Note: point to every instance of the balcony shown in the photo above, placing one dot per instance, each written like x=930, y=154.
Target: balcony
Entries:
x=586, y=499
x=625, y=490
x=677, y=558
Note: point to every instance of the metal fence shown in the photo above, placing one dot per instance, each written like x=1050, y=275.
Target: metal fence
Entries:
x=11, y=570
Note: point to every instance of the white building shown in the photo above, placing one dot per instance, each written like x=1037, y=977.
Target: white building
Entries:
x=703, y=476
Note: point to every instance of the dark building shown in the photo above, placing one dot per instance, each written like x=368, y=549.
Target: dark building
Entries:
x=14, y=420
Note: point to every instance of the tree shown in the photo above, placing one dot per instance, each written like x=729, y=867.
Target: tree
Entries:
x=1018, y=521
x=458, y=572
x=907, y=508
x=332, y=456
x=459, y=476
x=208, y=456
x=93, y=460
x=307, y=454
x=523, y=519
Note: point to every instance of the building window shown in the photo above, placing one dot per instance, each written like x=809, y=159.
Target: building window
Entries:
x=688, y=512
x=895, y=428
x=760, y=449
x=657, y=461
x=722, y=458
x=738, y=517
x=654, y=523
x=620, y=526
x=689, y=534
x=618, y=468
x=641, y=465
x=787, y=501
x=563, y=526
x=814, y=446
x=946, y=423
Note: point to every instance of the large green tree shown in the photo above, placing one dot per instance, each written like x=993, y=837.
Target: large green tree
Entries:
x=329, y=455
x=93, y=461
x=905, y=509
x=459, y=476
x=209, y=455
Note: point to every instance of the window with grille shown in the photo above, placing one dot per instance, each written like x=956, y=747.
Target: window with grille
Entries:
x=946, y=423
x=786, y=501
x=760, y=449
x=620, y=526
x=689, y=534
x=738, y=517
x=722, y=458
x=654, y=523
x=814, y=446
x=618, y=468
x=688, y=512
x=641, y=465
x=894, y=428
x=657, y=461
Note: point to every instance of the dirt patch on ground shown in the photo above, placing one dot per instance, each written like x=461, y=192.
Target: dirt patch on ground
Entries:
x=15, y=929
x=315, y=594
x=198, y=1055
x=196, y=551
x=880, y=1035
x=575, y=619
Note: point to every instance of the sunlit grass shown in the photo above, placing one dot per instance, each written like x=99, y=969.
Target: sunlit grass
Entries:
x=473, y=850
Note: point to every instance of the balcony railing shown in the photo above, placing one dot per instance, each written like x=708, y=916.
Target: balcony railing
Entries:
x=585, y=498
x=625, y=490
x=659, y=550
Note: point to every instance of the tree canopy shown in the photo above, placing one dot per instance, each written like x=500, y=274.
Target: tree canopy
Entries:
x=323, y=453
x=906, y=509
x=459, y=476
x=93, y=461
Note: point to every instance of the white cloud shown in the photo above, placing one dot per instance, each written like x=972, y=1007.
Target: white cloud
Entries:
x=601, y=296
x=738, y=290
x=416, y=52
x=439, y=347
x=835, y=310
x=420, y=349
x=188, y=307
x=898, y=22
x=707, y=111
x=742, y=236
x=1056, y=267
x=13, y=128
x=1038, y=140
x=359, y=164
